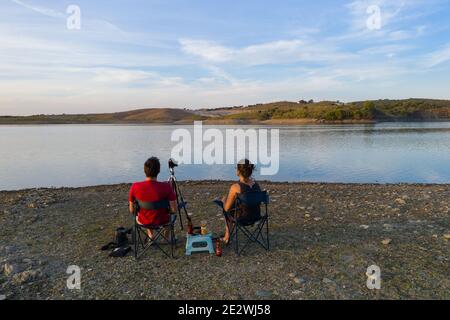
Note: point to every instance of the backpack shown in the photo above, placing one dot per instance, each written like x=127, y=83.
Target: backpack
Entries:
x=120, y=244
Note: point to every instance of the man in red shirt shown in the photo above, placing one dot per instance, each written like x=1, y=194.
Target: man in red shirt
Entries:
x=151, y=190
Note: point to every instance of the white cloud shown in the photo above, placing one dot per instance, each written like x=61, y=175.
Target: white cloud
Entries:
x=275, y=52
x=438, y=57
x=207, y=50
x=45, y=11
x=388, y=50
x=120, y=75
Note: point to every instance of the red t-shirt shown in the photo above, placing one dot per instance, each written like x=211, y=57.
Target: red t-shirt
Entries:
x=152, y=191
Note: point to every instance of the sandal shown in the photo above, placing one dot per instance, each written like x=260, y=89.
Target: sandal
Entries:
x=226, y=243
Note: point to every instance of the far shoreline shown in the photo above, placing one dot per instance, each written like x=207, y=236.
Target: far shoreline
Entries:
x=186, y=183
x=287, y=123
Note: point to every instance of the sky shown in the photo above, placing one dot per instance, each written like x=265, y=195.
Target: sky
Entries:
x=202, y=53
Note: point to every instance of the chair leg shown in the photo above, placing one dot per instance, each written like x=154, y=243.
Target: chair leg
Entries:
x=260, y=236
x=136, y=246
x=154, y=242
x=172, y=239
x=251, y=237
x=236, y=231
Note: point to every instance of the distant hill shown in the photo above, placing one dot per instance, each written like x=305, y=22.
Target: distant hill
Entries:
x=155, y=115
x=268, y=113
x=335, y=111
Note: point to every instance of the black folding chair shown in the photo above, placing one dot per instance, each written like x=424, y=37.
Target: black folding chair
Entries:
x=255, y=230
x=142, y=242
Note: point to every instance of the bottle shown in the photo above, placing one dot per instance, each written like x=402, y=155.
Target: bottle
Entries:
x=203, y=229
x=190, y=228
x=218, y=248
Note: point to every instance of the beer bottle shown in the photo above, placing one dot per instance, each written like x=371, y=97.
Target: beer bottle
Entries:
x=190, y=227
x=218, y=248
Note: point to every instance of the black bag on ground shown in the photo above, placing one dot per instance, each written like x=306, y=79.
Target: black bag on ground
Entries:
x=120, y=252
x=120, y=244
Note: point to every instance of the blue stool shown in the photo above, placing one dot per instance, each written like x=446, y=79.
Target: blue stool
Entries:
x=199, y=243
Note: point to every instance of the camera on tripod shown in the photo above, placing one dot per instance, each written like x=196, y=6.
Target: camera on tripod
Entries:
x=172, y=163
x=181, y=204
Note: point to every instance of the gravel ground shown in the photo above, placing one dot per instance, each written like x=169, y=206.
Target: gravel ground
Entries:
x=323, y=237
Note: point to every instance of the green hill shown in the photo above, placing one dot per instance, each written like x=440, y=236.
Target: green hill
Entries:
x=377, y=110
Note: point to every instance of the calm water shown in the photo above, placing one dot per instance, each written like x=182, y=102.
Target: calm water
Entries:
x=80, y=155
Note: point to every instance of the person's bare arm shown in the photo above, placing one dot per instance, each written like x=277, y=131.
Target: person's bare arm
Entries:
x=173, y=206
x=228, y=202
x=131, y=207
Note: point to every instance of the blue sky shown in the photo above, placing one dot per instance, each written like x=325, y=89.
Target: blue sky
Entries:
x=134, y=54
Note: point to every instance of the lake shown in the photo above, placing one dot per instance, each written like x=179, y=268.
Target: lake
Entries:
x=82, y=155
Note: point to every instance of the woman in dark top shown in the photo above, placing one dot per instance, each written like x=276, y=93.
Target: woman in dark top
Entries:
x=245, y=184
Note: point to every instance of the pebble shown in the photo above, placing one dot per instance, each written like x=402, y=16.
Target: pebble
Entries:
x=386, y=241
x=263, y=294
x=299, y=280
x=2, y=297
x=326, y=280
x=447, y=236
x=400, y=201
x=348, y=258
x=26, y=276
x=364, y=226
x=9, y=249
x=10, y=269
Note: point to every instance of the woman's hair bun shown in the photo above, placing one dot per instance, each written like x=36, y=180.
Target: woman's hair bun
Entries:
x=245, y=168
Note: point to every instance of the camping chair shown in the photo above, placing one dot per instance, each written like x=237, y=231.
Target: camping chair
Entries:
x=141, y=239
x=256, y=230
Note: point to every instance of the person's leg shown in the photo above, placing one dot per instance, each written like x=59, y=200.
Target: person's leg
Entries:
x=226, y=237
x=150, y=234
x=149, y=231
x=167, y=233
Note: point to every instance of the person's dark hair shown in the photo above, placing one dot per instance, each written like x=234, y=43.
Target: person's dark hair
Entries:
x=245, y=168
x=152, y=167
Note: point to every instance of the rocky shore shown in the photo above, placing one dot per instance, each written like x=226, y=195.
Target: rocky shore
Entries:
x=323, y=237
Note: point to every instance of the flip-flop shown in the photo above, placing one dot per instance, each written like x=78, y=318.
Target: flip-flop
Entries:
x=108, y=246
x=120, y=252
x=226, y=243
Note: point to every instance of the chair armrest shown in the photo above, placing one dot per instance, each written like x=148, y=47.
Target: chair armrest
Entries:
x=219, y=203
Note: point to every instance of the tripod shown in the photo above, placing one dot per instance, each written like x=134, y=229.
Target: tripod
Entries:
x=181, y=204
